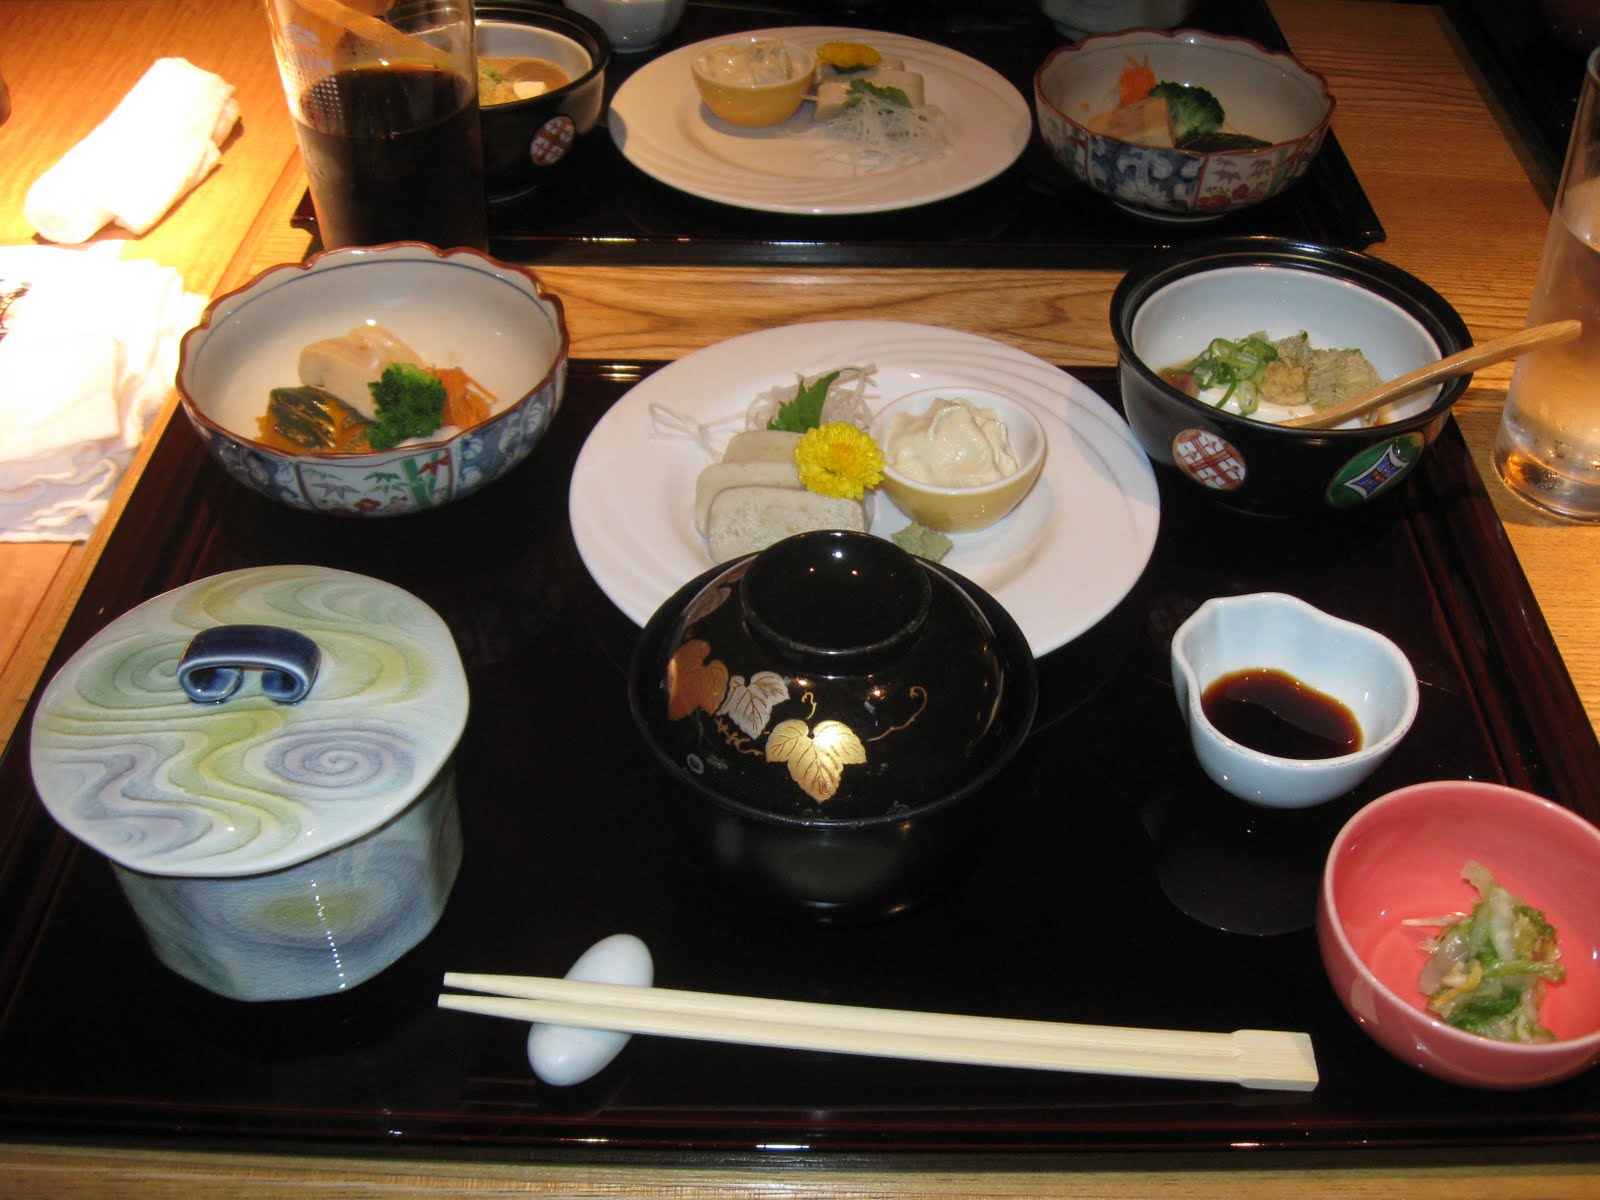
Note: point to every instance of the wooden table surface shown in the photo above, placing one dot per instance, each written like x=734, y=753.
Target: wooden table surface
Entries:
x=1441, y=167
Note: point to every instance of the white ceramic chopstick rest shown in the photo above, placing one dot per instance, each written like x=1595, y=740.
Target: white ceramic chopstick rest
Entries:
x=563, y=1055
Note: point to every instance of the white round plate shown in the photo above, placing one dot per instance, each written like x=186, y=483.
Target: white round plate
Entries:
x=1058, y=563
x=660, y=125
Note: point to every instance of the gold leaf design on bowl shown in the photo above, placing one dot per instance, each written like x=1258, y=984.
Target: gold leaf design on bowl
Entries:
x=816, y=758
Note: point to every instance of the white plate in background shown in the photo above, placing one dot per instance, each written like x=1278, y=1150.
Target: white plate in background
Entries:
x=660, y=125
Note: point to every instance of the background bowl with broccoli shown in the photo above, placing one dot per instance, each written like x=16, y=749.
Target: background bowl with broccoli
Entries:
x=1183, y=126
x=457, y=308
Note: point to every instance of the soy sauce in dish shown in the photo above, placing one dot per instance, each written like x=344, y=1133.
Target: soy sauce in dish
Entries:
x=394, y=154
x=1273, y=712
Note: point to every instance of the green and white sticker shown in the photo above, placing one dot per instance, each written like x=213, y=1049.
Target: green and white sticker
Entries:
x=1374, y=471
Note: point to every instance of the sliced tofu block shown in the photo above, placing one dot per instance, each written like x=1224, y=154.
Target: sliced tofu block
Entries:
x=746, y=519
x=347, y=366
x=723, y=475
x=764, y=445
x=833, y=94
x=1143, y=123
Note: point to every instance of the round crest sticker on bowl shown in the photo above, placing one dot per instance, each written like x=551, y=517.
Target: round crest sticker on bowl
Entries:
x=1374, y=471
x=554, y=139
x=1209, y=460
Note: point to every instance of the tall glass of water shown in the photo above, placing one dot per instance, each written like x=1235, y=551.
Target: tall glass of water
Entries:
x=1548, y=447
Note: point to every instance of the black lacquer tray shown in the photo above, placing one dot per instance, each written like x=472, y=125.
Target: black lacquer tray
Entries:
x=597, y=207
x=1127, y=890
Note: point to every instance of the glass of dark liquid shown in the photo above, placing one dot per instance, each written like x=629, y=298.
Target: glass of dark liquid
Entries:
x=384, y=97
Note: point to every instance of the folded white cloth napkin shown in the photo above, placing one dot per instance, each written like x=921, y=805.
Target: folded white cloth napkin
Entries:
x=88, y=352
x=161, y=139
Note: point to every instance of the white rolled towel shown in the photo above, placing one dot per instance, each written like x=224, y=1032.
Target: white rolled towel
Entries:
x=88, y=358
x=161, y=139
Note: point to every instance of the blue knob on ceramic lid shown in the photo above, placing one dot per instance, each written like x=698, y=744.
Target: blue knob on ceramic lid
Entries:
x=215, y=660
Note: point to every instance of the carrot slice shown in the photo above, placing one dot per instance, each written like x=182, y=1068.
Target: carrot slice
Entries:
x=1135, y=82
x=466, y=403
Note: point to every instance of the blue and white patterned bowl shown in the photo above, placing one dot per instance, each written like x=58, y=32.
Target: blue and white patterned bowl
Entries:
x=1264, y=93
x=455, y=308
x=272, y=850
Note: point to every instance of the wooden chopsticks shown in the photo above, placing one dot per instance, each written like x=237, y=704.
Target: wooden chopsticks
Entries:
x=1253, y=1058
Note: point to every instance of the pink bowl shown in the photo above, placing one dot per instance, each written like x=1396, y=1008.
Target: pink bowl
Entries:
x=1401, y=856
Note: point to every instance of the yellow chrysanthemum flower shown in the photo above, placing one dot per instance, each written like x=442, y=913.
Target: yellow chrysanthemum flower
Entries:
x=848, y=56
x=838, y=459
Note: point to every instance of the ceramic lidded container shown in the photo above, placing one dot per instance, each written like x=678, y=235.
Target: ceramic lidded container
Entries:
x=273, y=845
x=838, y=719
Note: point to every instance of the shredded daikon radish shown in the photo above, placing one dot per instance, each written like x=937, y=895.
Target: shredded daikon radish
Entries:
x=846, y=400
x=875, y=135
x=710, y=436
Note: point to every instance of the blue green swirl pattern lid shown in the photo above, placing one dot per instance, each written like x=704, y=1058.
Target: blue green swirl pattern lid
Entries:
x=125, y=761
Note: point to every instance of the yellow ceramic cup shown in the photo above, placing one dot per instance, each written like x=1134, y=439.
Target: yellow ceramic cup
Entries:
x=754, y=82
x=964, y=509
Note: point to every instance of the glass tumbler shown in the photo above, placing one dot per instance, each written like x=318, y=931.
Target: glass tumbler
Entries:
x=1548, y=448
x=384, y=96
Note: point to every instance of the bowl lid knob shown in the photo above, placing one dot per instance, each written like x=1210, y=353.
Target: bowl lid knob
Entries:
x=838, y=602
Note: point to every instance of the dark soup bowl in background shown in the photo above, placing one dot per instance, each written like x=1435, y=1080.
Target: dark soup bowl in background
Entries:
x=1168, y=308
x=522, y=139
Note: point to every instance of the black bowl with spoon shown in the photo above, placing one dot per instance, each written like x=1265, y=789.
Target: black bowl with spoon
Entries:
x=1169, y=308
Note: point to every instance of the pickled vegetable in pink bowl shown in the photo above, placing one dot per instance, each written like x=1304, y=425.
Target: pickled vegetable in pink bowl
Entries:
x=1400, y=858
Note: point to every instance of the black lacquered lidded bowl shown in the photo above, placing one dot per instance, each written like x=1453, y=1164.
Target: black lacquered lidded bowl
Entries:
x=837, y=716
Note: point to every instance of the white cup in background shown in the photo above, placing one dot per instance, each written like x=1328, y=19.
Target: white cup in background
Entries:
x=632, y=25
x=1074, y=18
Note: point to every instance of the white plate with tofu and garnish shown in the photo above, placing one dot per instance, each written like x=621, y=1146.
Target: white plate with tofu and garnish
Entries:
x=660, y=125
x=1059, y=562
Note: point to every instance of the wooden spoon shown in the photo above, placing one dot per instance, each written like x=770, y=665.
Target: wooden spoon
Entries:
x=1461, y=363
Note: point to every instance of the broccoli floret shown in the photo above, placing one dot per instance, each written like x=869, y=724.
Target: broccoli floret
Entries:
x=410, y=402
x=1191, y=111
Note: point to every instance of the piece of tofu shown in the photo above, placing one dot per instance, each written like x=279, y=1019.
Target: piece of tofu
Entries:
x=908, y=82
x=750, y=518
x=762, y=445
x=347, y=366
x=720, y=476
x=1144, y=123
x=832, y=94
